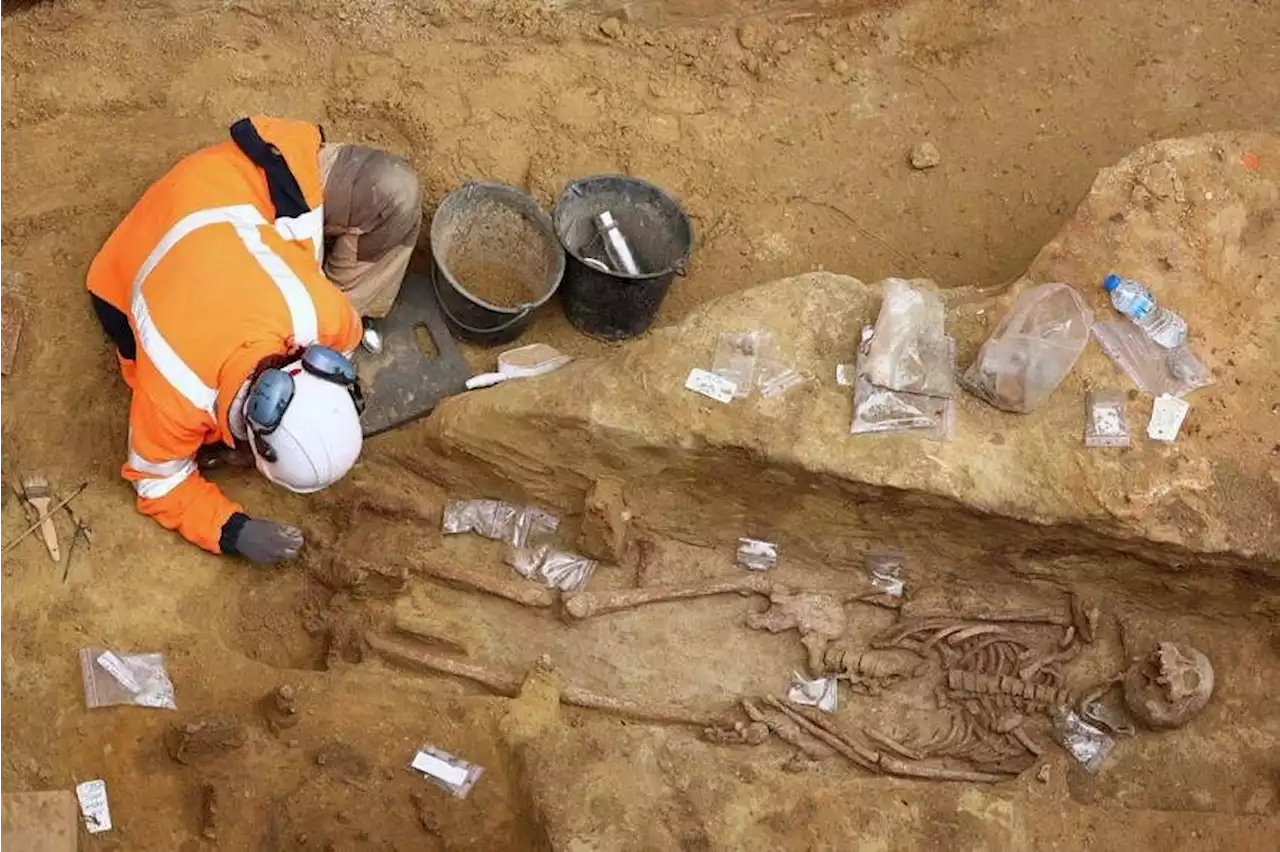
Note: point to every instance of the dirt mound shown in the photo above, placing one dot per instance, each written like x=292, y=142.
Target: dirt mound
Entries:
x=1011, y=486
x=785, y=131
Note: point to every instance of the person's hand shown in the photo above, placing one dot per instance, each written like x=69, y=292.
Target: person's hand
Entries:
x=216, y=456
x=266, y=542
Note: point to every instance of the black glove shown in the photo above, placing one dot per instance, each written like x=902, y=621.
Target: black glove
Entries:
x=217, y=456
x=261, y=542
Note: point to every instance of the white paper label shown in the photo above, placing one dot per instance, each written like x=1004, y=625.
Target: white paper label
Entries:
x=429, y=764
x=757, y=555
x=710, y=385
x=1167, y=417
x=92, y=796
x=822, y=693
x=845, y=374
x=116, y=667
x=891, y=586
x=886, y=573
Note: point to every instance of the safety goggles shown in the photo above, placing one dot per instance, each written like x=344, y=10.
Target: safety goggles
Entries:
x=272, y=391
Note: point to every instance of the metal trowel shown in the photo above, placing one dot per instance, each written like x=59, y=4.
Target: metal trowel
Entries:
x=521, y=363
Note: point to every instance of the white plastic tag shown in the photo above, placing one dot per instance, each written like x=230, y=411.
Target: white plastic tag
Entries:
x=116, y=667
x=846, y=374
x=92, y=796
x=429, y=764
x=710, y=385
x=1167, y=417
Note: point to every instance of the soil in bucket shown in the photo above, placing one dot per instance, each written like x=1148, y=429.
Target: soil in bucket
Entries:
x=499, y=256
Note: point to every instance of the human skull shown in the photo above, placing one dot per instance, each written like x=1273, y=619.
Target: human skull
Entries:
x=1170, y=686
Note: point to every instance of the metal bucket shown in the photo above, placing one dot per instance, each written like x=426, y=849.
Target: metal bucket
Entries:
x=491, y=234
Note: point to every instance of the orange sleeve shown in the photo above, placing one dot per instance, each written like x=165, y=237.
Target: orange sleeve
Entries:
x=105, y=280
x=162, y=468
x=345, y=331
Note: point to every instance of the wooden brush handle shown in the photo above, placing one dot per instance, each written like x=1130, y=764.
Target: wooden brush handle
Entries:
x=47, y=530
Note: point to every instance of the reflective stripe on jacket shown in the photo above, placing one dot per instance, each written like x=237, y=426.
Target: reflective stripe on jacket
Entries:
x=217, y=267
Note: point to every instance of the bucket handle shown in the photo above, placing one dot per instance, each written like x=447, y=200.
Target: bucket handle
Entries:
x=435, y=285
x=681, y=268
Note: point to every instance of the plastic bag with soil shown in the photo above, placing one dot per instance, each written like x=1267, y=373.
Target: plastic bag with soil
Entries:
x=879, y=410
x=910, y=351
x=1032, y=350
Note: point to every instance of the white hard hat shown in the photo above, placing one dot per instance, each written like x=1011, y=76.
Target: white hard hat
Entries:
x=318, y=439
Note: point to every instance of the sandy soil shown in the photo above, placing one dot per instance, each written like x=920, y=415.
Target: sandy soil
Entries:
x=786, y=136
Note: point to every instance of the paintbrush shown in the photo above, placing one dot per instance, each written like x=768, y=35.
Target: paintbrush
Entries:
x=37, y=492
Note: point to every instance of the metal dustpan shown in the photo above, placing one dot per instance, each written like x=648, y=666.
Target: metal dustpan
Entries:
x=403, y=383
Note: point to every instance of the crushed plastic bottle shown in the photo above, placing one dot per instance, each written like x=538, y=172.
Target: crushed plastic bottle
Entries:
x=1136, y=302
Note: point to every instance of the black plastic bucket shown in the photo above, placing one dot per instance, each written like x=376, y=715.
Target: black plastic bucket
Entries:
x=614, y=305
x=493, y=235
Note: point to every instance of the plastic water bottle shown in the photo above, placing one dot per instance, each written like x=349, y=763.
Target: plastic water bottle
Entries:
x=1136, y=302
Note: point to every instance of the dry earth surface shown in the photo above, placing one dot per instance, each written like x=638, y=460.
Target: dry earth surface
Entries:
x=785, y=129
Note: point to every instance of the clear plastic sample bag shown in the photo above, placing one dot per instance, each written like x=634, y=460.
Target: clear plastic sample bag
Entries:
x=452, y=774
x=1032, y=350
x=753, y=359
x=881, y=410
x=518, y=526
x=1154, y=369
x=1104, y=424
x=112, y=678
x=553, y=568
x=910, y=350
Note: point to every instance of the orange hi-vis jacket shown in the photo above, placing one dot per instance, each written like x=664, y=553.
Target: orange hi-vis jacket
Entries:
x=214, y=277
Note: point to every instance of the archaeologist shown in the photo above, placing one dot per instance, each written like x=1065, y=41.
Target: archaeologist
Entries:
x=234, y=292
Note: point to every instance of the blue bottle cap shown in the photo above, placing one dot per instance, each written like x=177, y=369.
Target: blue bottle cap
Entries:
x=1111, y=282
